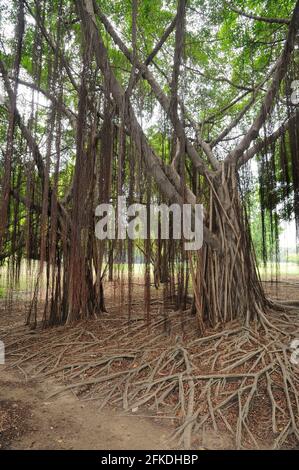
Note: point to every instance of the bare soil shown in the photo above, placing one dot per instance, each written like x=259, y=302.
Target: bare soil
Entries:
x=29, y=421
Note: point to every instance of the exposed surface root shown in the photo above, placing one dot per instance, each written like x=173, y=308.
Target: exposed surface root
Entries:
x=239, y=381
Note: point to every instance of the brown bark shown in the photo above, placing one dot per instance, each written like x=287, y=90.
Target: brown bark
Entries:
x=229, y=275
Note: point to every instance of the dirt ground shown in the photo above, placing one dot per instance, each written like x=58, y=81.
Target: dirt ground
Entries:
x=29, y=421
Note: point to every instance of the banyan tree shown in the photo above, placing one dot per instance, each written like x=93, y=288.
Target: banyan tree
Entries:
x=102, y=99
x=178, y=102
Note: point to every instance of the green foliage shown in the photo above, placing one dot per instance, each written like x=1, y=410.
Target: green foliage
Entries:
x=225, y=55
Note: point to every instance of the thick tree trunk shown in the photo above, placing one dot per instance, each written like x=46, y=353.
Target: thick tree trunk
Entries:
x=228, y=279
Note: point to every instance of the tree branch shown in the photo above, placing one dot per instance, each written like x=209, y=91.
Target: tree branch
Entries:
x=163, y=99
x=264, y=143
x=265, y=19
x=267, y=105
x=242, y=113
x=153, y=162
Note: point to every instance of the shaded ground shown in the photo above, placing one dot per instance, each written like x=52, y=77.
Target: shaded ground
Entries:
x=232, y=380
x=29, y=421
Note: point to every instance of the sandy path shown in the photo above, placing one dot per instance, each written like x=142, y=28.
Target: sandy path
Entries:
x=29, y=421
